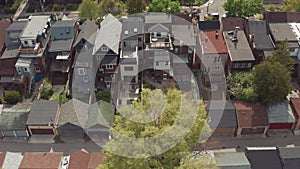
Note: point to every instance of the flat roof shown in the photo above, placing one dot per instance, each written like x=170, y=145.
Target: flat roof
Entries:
x=42, y=112
x=282, y=31
x=232, y=159
x=281, y=113
x=35, y=26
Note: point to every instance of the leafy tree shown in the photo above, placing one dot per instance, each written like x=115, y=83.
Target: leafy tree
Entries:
x=271, y=82
x=165, y=6
x=203, y=162
x=291, y=5
x=89, y=9
x=241, y=86
x=135, y=6
x=243, y=8
x=46, y=89
x=149, y=106
x=282, y=55
x=12, y=97
x=111, y=6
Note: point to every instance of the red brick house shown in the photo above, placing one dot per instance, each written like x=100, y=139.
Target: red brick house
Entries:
x=252, y=118
x=295, y=104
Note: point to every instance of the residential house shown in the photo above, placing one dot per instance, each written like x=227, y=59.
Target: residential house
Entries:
x=222, y=117
x=41, y=160
x=263, y=157
x=252, y=118
x=7, y=73
x=282, y=17
x=12, y=160
x=231, y=160
x=100, y=118
x=13, y=124
x=4, y=24
x=290, y=157
x=34, y=42
x=280, y=116
x=83, y=160
x=295, y=105
x=158, y=30
x=42, y=118
x=209, y=25
x=72, y=117
x=161, y=64
x=107, y=47
x=260, y=40
x=61, y=51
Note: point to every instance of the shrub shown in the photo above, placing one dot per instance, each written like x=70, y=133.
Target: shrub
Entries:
x=105, y=96
x=57, y=7
x=1, y=101
x=72, y=7
x=46, y=89
x=12, y=97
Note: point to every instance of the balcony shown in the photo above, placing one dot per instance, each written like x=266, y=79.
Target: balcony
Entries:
x=161, y=42
x=27, y=50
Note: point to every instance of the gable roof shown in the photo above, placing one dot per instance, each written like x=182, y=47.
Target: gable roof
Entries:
x=109, y=35
x=87, y=29
x=83, y=160
x=184, y=35
x=232, y=160
x=158, y=17
x=263, y=158
x=262, y=40
x=251, y=114
x=12, y=160
x=101, y=113
x=13, y=121
x=290, y=157
x=38, y=160
x=239, y=50
x=209, y=25
x=132, y=26
x=281, y=113
x=42, y=112
x=213, y=44
x=35, y=26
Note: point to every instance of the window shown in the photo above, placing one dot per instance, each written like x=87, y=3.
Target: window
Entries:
x=85, y=78
x=176, y=50
x=81, y=71
x=109, y=66
x=68, y=30
x=98, y=57
x=157, y=63
x=164, y=34
x=105, y=49
x=217, y=59
x=217, y=68
x=14, y=40
x=167, y=63
x=37, y=69
x=128, y=68
x=26, y=69
x=190, y=50
x=25, y=43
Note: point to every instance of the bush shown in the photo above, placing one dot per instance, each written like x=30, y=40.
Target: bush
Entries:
x=12, y=97
x=72, y=7
x=46, y=90
x=1, y=101
x=105, y=96
x=57, y=7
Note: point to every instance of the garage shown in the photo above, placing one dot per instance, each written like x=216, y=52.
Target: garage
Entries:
x=252, y=131
x=70, y=130
x=42, y=131
x=281, y=116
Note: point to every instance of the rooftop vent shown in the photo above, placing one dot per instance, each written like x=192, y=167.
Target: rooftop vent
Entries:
x=126, y=32
x=135, y=30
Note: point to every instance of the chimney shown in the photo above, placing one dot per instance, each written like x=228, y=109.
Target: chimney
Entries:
x=217, y=34
x=206, y=39
x=252, y=35
x=236, y=31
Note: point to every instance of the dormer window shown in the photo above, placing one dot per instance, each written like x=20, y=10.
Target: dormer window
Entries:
x=104, y=49
x=81, y=71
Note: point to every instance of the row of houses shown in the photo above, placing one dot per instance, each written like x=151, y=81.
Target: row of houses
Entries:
x=79, y=159
x=242, y=118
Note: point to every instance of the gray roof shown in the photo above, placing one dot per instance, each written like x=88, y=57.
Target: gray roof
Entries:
x=61, y=45
x=13, y=121
x=232, y=160
x=42, y=112
x=87, y=29
x=64, y=23
x=100, y=113
x=16, y=26
x=109, y=35
x=281, y=113
x=290, y=157
x=240, y=50
x=158, y=22
x=282, y=31
x=10, y=53
x=35, y=26
x=262, y=39
x=128, y=61
x=12, y=160
x=74, y=112
x=184, y=35
x=161, y=55
x=132, y=26
x=158, y=17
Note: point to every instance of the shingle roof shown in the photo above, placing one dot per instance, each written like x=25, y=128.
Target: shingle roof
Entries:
x=132, y=26
x=263, y=158
x=262, y=40
x=42, y=112
x=158, y=17
x=213, y=44
x=100, y=113
x=13, y=121
x=209, y=25
x=4, y=23
x=282, y=17
x=251, y=114
x=295, y=103
x=17, y=26
x=7, y=67
x=282, y=31
x=290, y=157
x=109, y=35
x=240, y=50
x=232, y=160
x=229, y=24
x=84, y=160
x=87, y=29
x=64, y=23
x=61, y=45
x=38, y=160
x=184, y=35
x=35, y=26
x=281, y=113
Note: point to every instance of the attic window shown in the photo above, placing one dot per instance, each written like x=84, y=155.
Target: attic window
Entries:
x=126, y=32
x=81, y=71
x=105, y=49
x=135, y=30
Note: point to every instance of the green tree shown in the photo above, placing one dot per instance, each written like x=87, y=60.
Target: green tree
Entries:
x=111, y=6
x=291, y=5
x=135, y=6
x=271, y=82
x=149, y=105
x=241, y=86
x=243, y=8
x=203, y=162
x=89, y=9
x=282, y=55
x=11, y=97
x=165, y=6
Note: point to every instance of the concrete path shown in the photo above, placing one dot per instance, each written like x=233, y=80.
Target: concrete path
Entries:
x=20, y=9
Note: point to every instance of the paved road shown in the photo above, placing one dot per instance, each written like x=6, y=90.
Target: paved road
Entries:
x=66, y=148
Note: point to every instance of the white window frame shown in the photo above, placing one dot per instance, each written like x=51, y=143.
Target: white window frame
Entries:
x=26, y=69
x=190, y=50
x=104, y=49
x=37, y=68
x=110, y=66
x=81, y=71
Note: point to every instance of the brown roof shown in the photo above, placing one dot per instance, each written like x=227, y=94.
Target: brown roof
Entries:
x=229, y=24
x=295, y=102
x=2, y=157
x=251, y=114
x=4, y=23
x=7, y=67
x=213, y=44
x=282, y=17
x=41, y=160
x=84, y=160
